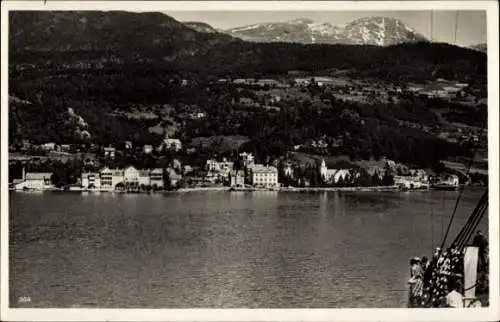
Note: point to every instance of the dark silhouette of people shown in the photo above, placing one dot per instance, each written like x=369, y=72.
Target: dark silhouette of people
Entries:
x=481, y=243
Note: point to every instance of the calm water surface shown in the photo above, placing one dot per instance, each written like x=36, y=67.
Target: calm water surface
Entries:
x=224, y=249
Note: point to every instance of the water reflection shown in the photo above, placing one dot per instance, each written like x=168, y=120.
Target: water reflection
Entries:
x=217, y=249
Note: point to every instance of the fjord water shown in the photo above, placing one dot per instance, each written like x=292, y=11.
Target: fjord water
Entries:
x=224, y=249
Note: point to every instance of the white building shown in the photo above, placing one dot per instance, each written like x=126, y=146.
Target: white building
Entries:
x=156, y=178
x=264, y=176
x=288, y=171
x=109, y=152
x=110, y=178
x=219, y=170
x=132, y=176
x=187, y=169
x=322, y=81
x=450, y=180
x=236, y=178
x=129, y=176
x=409, y=182
x=326, y=173
x=147, y=149
x=215, y=166
x=64, y=147
x=50, y=146
x=35, y=181
x=172, y=144
x=333, y=175
x=302, y=81
x=420, y=175
x=212, y=165
x=91, y=180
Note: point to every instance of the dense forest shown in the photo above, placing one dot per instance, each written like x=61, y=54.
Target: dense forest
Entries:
x=368, y=130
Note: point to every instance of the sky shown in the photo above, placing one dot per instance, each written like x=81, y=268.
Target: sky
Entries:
x=471, y=25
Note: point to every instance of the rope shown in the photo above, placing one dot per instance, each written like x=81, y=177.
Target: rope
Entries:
x=467, y=233
x=472, y=221
x=461, y=191
x=475, y=221
x=432, y=229
x=475, y=224
x=475, y=213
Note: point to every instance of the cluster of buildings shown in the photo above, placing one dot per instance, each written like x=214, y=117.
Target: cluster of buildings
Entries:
x=129, y=178
x=439, y=89
x=256, y=175
x=416, y=179
x=246, y=172
x=254, y=82
x=419, y=179
x=168, y=144
x=109, y=152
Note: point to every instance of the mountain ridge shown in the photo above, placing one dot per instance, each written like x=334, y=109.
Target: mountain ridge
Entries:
x=482, y=47
x=200, y=26
x=378, y=30
x=96, y=39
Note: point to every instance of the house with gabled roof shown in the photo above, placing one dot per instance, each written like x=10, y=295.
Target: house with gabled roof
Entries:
x=156, y=178
x=35, y=181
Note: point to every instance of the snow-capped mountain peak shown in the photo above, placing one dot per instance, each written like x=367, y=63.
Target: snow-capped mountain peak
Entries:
x=381, y=31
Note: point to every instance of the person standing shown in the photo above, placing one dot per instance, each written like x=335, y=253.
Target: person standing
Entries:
x=416, y=282
x=481, y=243
x=454, y=299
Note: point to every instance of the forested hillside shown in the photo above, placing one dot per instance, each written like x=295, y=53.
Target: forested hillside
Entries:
x=108, y=66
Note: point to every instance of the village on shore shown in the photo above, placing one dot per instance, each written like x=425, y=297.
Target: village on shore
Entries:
x=240, y=174
x=167, y=159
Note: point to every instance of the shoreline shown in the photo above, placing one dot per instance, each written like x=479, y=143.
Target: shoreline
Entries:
x=240, y=189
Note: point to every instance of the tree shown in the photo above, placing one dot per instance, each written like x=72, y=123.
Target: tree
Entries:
x=376, y=179
x=167, y=182
x=387, y=179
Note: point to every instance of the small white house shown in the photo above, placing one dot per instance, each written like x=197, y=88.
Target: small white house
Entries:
x=91, y=180
x=144, y=178
x=237, y=178
x=109, y=152
x=147, y=149
x=49, y=146
x=172, y=144
x=35, y=181
x=156, y=178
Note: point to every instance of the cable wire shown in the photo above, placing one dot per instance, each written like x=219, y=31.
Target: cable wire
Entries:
x=462, y=189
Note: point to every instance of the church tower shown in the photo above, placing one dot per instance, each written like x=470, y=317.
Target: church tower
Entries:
x=323, y=169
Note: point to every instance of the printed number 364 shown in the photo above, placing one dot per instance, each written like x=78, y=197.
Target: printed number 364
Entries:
x=24, y=299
